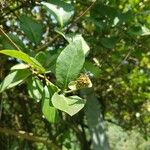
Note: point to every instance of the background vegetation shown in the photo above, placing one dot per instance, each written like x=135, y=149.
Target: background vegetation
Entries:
x=117, y=112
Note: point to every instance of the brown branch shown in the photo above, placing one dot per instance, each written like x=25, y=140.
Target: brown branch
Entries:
x=27, y=136
x=9, y=39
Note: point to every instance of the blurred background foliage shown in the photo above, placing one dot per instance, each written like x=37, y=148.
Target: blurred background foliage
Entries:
x=118, y=33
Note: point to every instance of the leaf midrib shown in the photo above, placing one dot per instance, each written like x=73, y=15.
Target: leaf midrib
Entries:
x=69, y=69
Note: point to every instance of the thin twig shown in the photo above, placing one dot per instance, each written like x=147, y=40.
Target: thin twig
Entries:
x=82, y=14
x=125, y=58
x=27, y=136
x=9, y=39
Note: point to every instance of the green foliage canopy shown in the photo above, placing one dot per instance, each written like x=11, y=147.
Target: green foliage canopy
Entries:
x=55, y=43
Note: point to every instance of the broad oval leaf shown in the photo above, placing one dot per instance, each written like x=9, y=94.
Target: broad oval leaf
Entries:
x=71, y=105
x=33, y=29
x=60, y=10
x=24, y=57
x=14, y=78
x=49, y=112
x=69, y=63
x=70, y=38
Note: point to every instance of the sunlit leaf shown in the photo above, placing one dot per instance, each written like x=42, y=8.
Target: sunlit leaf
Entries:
x=60, y=10
x=19, y=66
x=69, y=63
x=71, y=105
x=14, y=78
x=73, y=38
x=24, y=57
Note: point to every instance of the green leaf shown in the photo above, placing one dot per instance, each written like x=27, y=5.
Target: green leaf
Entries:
x=69, y=63
x=6, y=44
x=145, y=31
x=24, y=57
x=60, y=10
x=109, y=42
x=19, y=66
x=37, y=65
x=50, y=112
x=73, y=38
x=14, y=78
x=139, y=31
x=32, y=28
x=71, y=105
x=92, y=69
x=41, y=57
x=48, y=59
x=35, y=88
